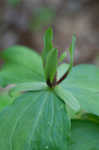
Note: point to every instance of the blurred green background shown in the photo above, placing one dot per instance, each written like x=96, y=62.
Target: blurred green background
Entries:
x=25, y=21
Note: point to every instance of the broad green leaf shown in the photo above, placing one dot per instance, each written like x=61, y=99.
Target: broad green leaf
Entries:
x=63, y=56
x=48, y=37
x=21, y=65
x=36, y=121
x=83, y=83
x=24, y=56
x=51, y=64
x=12, y=74
x=68, y=98
x=84, y=135
x=84, y=77
x=28, y=86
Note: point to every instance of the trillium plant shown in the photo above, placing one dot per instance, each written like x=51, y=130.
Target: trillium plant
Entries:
x=46, y=104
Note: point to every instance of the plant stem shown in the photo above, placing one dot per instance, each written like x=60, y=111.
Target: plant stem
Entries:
x=55, y=82
x=64, y=76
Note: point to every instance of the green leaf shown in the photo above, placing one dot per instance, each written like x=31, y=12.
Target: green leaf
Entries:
x=84, y=136
x=24, y=56
x=63, y=56
x=36, y=121
x=51, y=64
x=68, y=98
x=28, y=86
x=48, y=37
x=83, y=83
x=21, y=65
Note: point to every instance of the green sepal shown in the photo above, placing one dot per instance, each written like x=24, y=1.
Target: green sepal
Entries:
x=51, y=64
x=48, y=45
x=72, y=49
x=71, y=52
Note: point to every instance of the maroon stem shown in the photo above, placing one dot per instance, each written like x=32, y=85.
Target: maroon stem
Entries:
x=64, y=76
